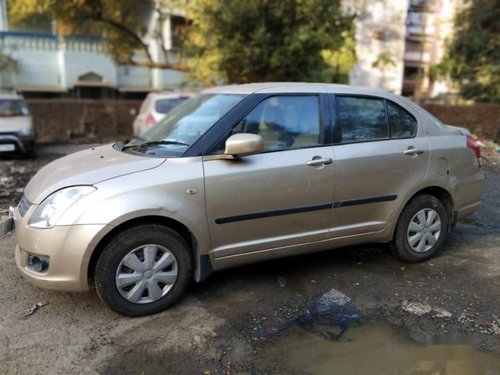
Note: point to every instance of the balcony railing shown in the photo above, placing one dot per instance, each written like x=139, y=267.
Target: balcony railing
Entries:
x=50, y=42
x=420, y=32
x=417, y=56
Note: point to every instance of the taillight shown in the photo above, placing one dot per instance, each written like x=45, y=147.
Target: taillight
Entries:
x=472, y=144
x=150, y=121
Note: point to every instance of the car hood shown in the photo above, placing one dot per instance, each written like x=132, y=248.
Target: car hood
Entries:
x=86, y=167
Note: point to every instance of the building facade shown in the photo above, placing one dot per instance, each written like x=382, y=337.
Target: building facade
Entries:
x=380, y=43
x=429, y=25
x=50, y=65
x=397, y=42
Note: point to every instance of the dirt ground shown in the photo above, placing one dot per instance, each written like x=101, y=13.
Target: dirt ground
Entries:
x=226, y=324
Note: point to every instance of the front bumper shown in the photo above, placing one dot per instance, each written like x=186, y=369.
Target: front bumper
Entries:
x=69, y=249
x=17, y=143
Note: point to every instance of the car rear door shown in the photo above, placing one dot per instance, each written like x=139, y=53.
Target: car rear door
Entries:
x=381, y=154
x=282, y=196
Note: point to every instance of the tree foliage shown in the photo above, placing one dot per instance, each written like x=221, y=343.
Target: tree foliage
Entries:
x=229, y=40
x=473, y=59
x=123, y=24
x=238, y=41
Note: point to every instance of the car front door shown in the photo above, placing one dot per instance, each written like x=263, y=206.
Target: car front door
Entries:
x=281, y=196
x=381, y=154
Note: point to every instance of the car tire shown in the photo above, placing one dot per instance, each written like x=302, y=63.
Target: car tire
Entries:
x=143, y=270
x=421, y=229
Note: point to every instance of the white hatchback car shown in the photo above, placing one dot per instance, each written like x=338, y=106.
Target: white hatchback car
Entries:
x=17, y=134
x=155, y=107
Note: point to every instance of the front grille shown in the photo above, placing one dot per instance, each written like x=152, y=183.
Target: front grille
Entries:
x=24, y=206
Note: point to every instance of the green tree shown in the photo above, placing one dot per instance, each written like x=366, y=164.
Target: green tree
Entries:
x=473, y=58
x=341, y=60
x=122, y=23
x=383, y=61
x=238, y=41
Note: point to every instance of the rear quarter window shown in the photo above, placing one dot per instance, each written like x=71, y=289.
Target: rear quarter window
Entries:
x=402, y=124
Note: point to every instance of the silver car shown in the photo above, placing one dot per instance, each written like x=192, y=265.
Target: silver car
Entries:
x=242, y=174
x=155, y=107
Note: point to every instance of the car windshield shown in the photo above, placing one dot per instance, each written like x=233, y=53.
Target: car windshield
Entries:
x=13, y=107
x=184, y=125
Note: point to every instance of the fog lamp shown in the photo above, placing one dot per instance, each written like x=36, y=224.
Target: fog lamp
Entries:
x=38, y=263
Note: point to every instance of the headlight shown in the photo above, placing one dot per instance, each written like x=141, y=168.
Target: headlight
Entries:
x=48, y=213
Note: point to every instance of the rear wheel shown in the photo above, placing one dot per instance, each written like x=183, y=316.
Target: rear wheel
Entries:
x=421, y=229
x=143, y=270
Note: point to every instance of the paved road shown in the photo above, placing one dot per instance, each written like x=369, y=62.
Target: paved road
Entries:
x=228, y=323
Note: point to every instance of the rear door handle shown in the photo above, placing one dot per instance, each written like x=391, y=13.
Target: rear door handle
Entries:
x=320, y=161
x=413, y=151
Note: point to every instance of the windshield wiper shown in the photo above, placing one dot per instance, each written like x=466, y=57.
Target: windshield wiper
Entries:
x=123, y=144
x=153, y=143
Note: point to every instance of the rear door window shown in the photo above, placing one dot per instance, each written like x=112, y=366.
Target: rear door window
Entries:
x=362, y=119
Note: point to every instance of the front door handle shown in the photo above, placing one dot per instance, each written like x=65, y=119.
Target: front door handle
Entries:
x=319, y=161
x=411, y=151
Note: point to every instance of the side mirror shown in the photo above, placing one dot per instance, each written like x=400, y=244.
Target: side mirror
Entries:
x=244, y=144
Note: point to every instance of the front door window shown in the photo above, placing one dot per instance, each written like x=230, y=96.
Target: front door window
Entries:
x=284, y=122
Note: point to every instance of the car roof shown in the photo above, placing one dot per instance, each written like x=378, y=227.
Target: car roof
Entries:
x=274, y=87
x=169, y=95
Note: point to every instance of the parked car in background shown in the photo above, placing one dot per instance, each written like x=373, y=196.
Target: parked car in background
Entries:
x=17, y=134
x=241, y=174
x=154, y=107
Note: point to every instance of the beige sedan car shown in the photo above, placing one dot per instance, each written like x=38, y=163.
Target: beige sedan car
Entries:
x=242, y=174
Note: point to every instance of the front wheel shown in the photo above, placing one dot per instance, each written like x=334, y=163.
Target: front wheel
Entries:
x=143, y=270
x=421, y=229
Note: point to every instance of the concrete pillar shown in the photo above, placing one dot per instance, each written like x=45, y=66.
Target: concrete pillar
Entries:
x=4, y=26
